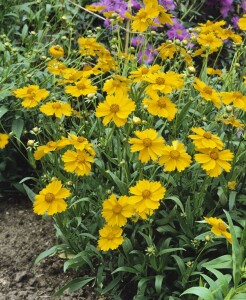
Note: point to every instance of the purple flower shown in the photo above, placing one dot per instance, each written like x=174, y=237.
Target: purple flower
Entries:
x=177, y=31
x=167, y=4
x=234, y=21
x=243, y=4
x=137, y=41
x=147, y=56
x=226, y=7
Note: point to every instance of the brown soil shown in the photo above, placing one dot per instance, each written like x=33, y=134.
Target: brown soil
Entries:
x=23, y=236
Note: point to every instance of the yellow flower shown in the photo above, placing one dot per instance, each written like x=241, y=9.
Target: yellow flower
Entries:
x=78, y=162
x=4, y=139
x=149, y=145
x=233, y=122
x=31, y=94
x=231, y=185
x=146, y=195
x=116, y=212
x=161, y=107
x=89, y=46
x=205, y=139
x=82, y=87
x=242, y=22
x=163, y=17
x=56, y=67
x=144, y=18
x=72, y=75
x=56, y=51
x=210, y=40
x=110, y=237
x=51, y=199
x=116, y=85
x=207, y=92
x=213, y=161
x=219, y=228
x=167, y=50
x=141, y=72
x=106, y=62
x=116, y=108
x=56, y=108
x=211, y=71
x=163, y=82
x=175, y=157
x=238, y=99
x=45, y=149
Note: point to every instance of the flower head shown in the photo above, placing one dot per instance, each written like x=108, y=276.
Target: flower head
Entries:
x=146, y=196
x=219, y=228
x=205, y=139
x=116, y=212
x=116, y=108
x=78, y=162
x=161, y=107
x=232, y=185
x=175, y=157
x=4, y=139
x=56, y=108
x=51, y=199
x=149, y=145
x=56, y=67
x=56, y=51
x=214, y=161
x=81, y=87
x=31, y=94
x=110, y=237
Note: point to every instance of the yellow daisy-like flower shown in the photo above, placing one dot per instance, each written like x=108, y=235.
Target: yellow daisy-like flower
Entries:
x=56, y=67
x=219, y=228
x=72, y=75
x=45, y=149
x=51, y=199
x=31, y=94
x=146, y=196
x=163, y=82
x=78, y=162
x=164, y=17
x=167, y=50
x=214, y=161
x=148, y=144
x=116, y=85
x=56, y=108
x=116, y=108
x=207, y=92
x=116, y=212
x=238, y=99
x=242, y=22
x=211, y=71
x=144, y=18
x=89, y=46
x=4, y=139
x=233, y=122
x=231, y=185
x=141, y=72
x=210, y=40
x=110, y=237
x=82, y=87
x=161, y=106
x=205, y=139
x=56, y=51
x=175, y=157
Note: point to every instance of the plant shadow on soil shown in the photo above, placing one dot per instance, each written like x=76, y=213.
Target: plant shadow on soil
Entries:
x=23, y=236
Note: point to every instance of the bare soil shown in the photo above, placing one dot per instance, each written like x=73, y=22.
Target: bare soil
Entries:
x=23, y=236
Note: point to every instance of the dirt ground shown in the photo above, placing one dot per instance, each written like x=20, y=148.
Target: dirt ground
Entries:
x=24, y=235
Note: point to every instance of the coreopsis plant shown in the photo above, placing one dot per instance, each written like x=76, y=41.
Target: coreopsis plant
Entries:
x=134, y=153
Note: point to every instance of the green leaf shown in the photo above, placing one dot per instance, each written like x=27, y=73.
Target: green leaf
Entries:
x=200, y=291
x=3, y=110
x=165, y=251
x=232, y=199
x=74, y=285
x=121, y=185
x=236, y=253
x=24, y=33
x=111, y=285
x=31, y=195
x=158, y=283
x=222, y=262
x=125, y=269
x=177, y=201
x=17, y=127
x=46, y=253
